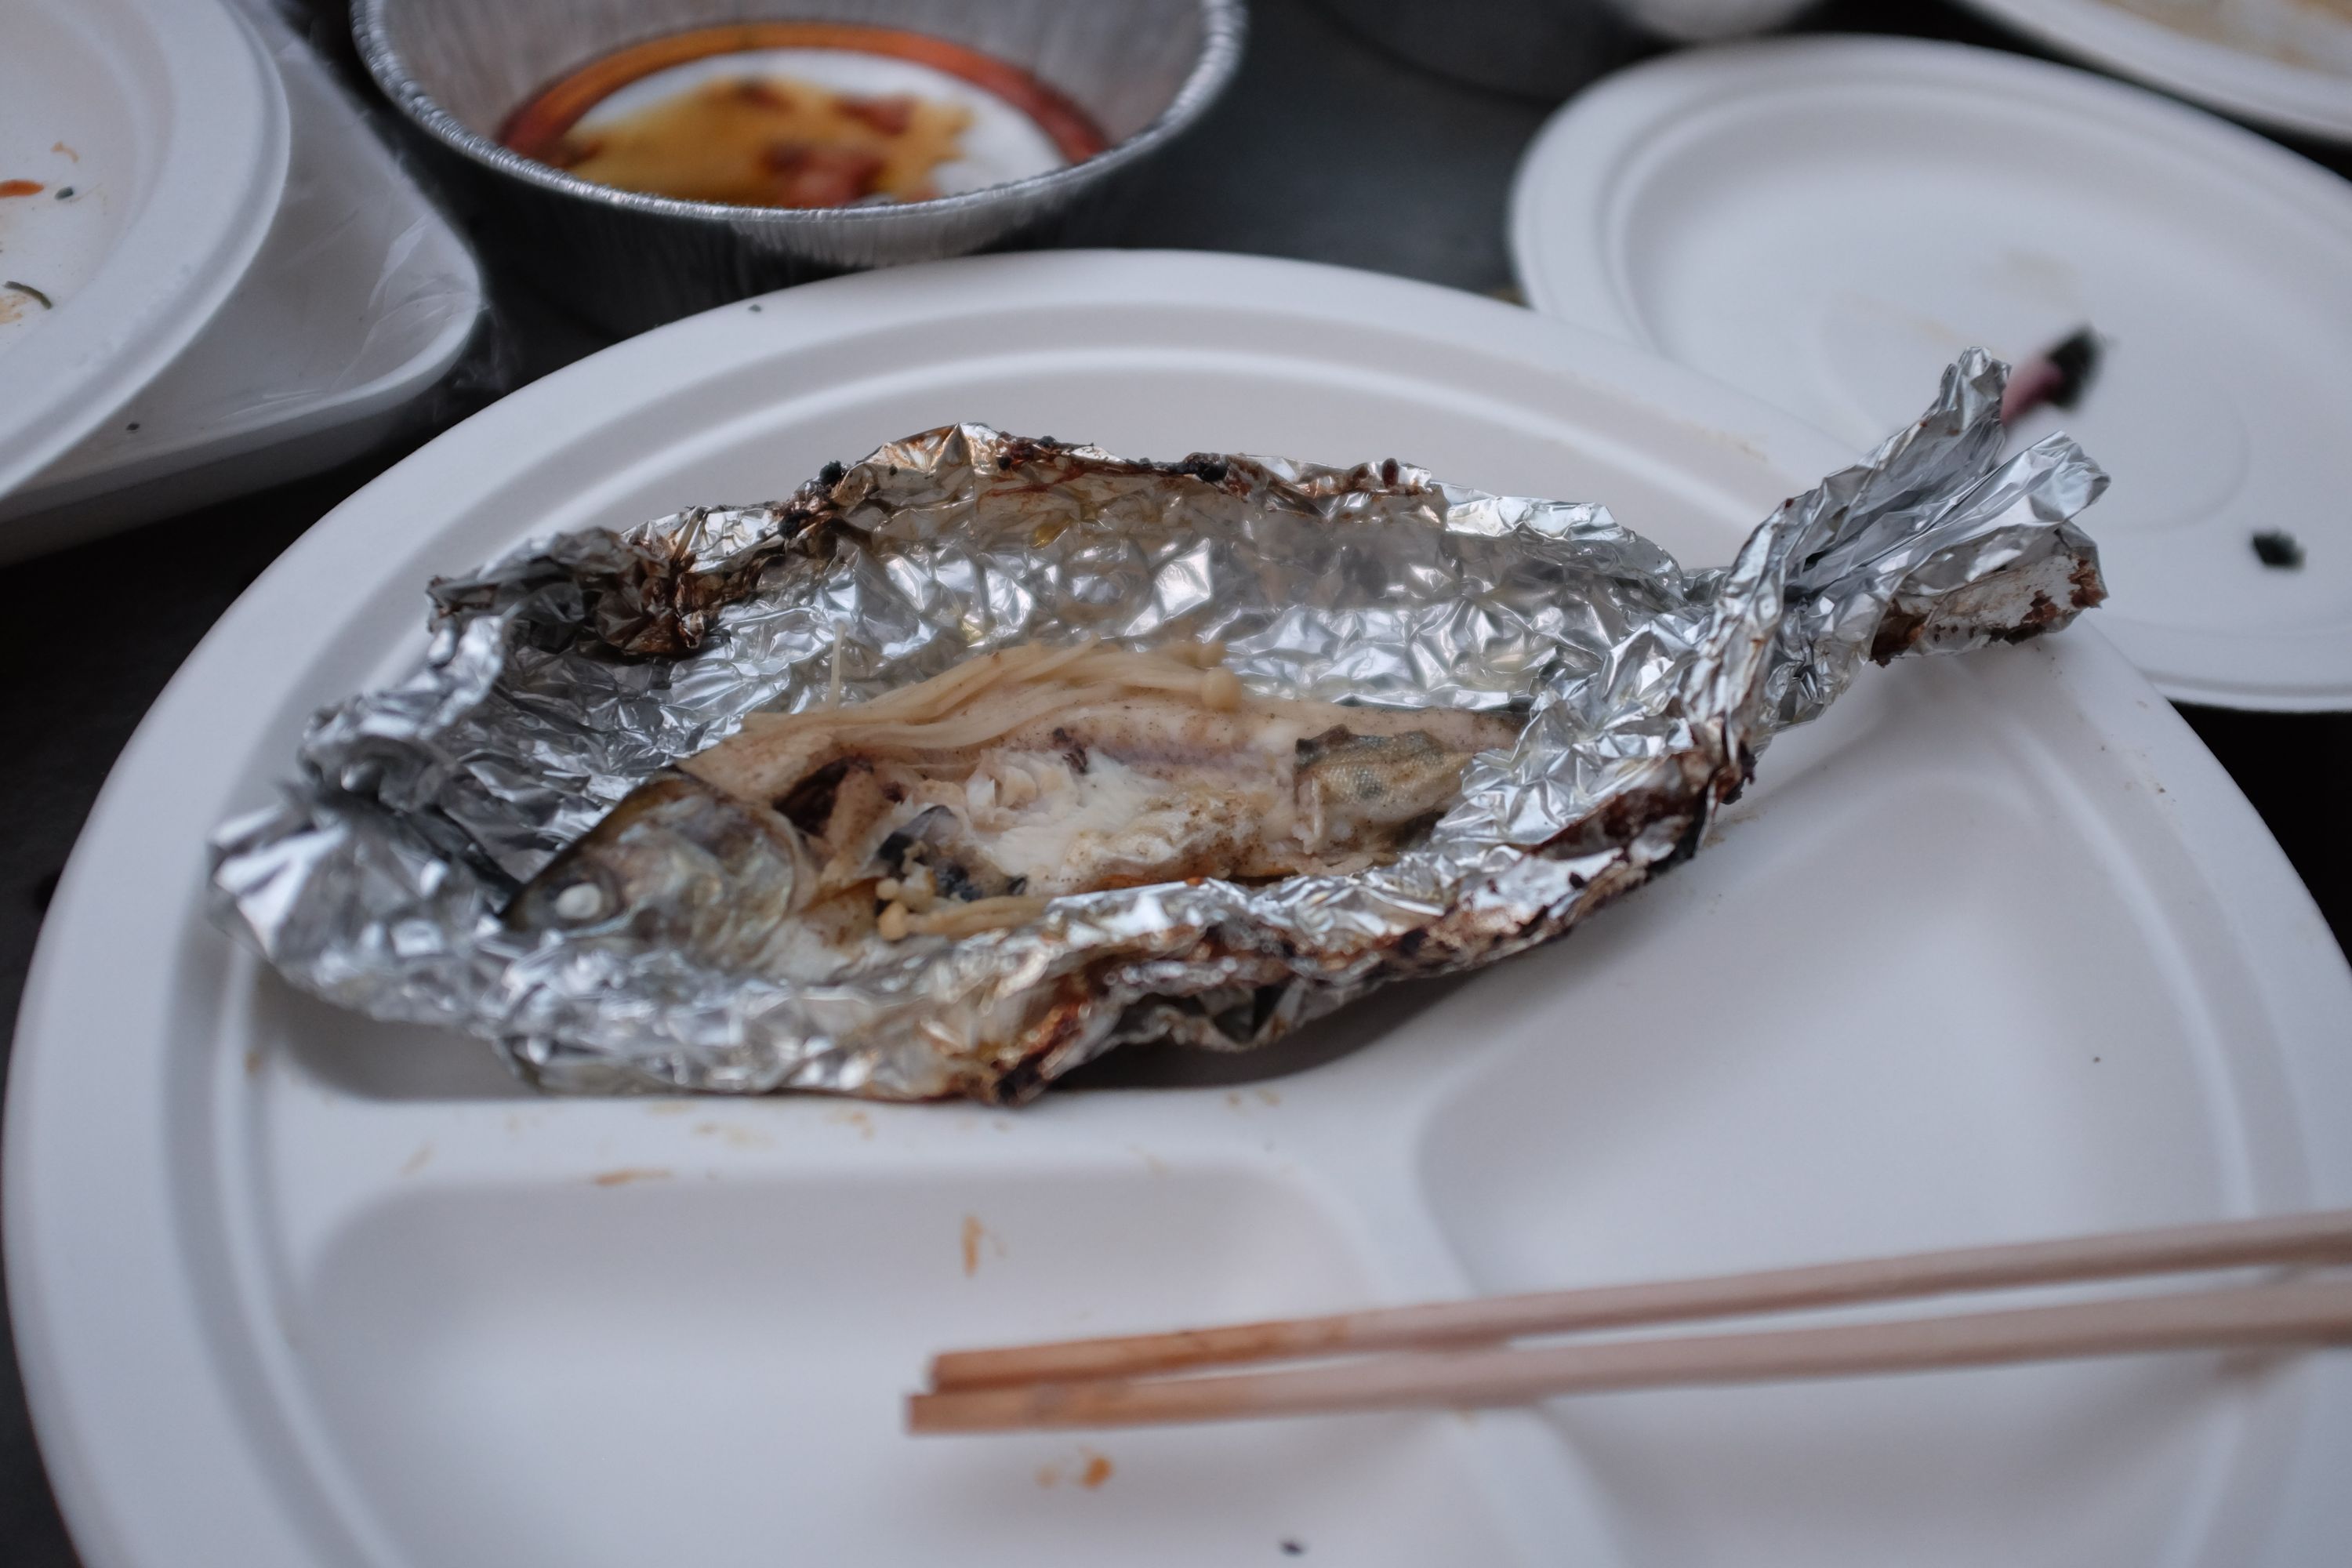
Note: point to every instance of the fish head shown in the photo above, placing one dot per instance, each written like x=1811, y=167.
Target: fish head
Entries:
x=678, y=864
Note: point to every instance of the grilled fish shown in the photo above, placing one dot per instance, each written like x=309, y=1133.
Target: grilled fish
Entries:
x=969, y=801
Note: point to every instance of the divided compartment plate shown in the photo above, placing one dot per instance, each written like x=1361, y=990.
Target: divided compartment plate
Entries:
x=1994, y=950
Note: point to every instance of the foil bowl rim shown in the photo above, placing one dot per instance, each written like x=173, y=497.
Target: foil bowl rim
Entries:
x=1224, y=30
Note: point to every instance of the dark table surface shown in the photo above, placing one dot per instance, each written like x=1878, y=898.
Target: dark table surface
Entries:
x=1325, y=148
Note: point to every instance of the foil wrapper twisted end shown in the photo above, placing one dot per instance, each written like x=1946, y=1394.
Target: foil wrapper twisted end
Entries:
x=565, y=673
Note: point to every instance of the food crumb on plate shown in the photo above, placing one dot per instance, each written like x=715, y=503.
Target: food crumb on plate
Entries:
x=735, y=1137
x=2279, y=549
x=1098, y=1470
x=628, y=1173
x=974, y=1233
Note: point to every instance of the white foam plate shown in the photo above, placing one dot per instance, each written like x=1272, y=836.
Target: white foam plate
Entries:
x=2285, y=63
x=360, y=299
x=170, y=129
x=1824, y=221
x=1994, y=951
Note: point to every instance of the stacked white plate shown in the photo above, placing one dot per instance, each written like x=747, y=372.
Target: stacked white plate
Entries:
x=223, y=280
x=1824, y=221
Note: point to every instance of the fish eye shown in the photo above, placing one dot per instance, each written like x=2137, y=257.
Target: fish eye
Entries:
x=582, y=900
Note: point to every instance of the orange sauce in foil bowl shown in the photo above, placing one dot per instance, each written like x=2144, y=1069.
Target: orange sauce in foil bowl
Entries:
x=801, y=114
x=641, y=162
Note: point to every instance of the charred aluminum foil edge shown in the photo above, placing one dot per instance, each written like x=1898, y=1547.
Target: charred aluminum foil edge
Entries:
x=567, y=671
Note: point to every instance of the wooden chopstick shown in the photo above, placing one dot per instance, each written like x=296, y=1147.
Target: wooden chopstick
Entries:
x=2260, y=1316
x=2320, y=1237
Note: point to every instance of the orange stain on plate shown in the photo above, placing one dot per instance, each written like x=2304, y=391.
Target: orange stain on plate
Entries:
x=973, y=1233
x=21, y=187
x=628, y=1173
x=850, y=1116
x=1098, y=1470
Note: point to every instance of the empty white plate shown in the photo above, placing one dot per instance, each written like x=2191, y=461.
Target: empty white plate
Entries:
x=2285, y=63
x=1824, y=221
x=157, y=133
x=1994, y=950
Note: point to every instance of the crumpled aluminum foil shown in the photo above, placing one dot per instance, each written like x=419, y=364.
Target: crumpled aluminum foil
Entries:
x=566, y=672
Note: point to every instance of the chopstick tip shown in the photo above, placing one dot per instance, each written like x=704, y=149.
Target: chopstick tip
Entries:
x=931, y=1413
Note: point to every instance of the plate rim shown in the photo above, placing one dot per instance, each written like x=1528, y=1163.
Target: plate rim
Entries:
x=72, y=1290
x=1575, y=163
x=239, y=111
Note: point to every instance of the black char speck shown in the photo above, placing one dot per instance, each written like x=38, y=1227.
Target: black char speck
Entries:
x=2076, y=361
x=2279, y=550
x=808, y=805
